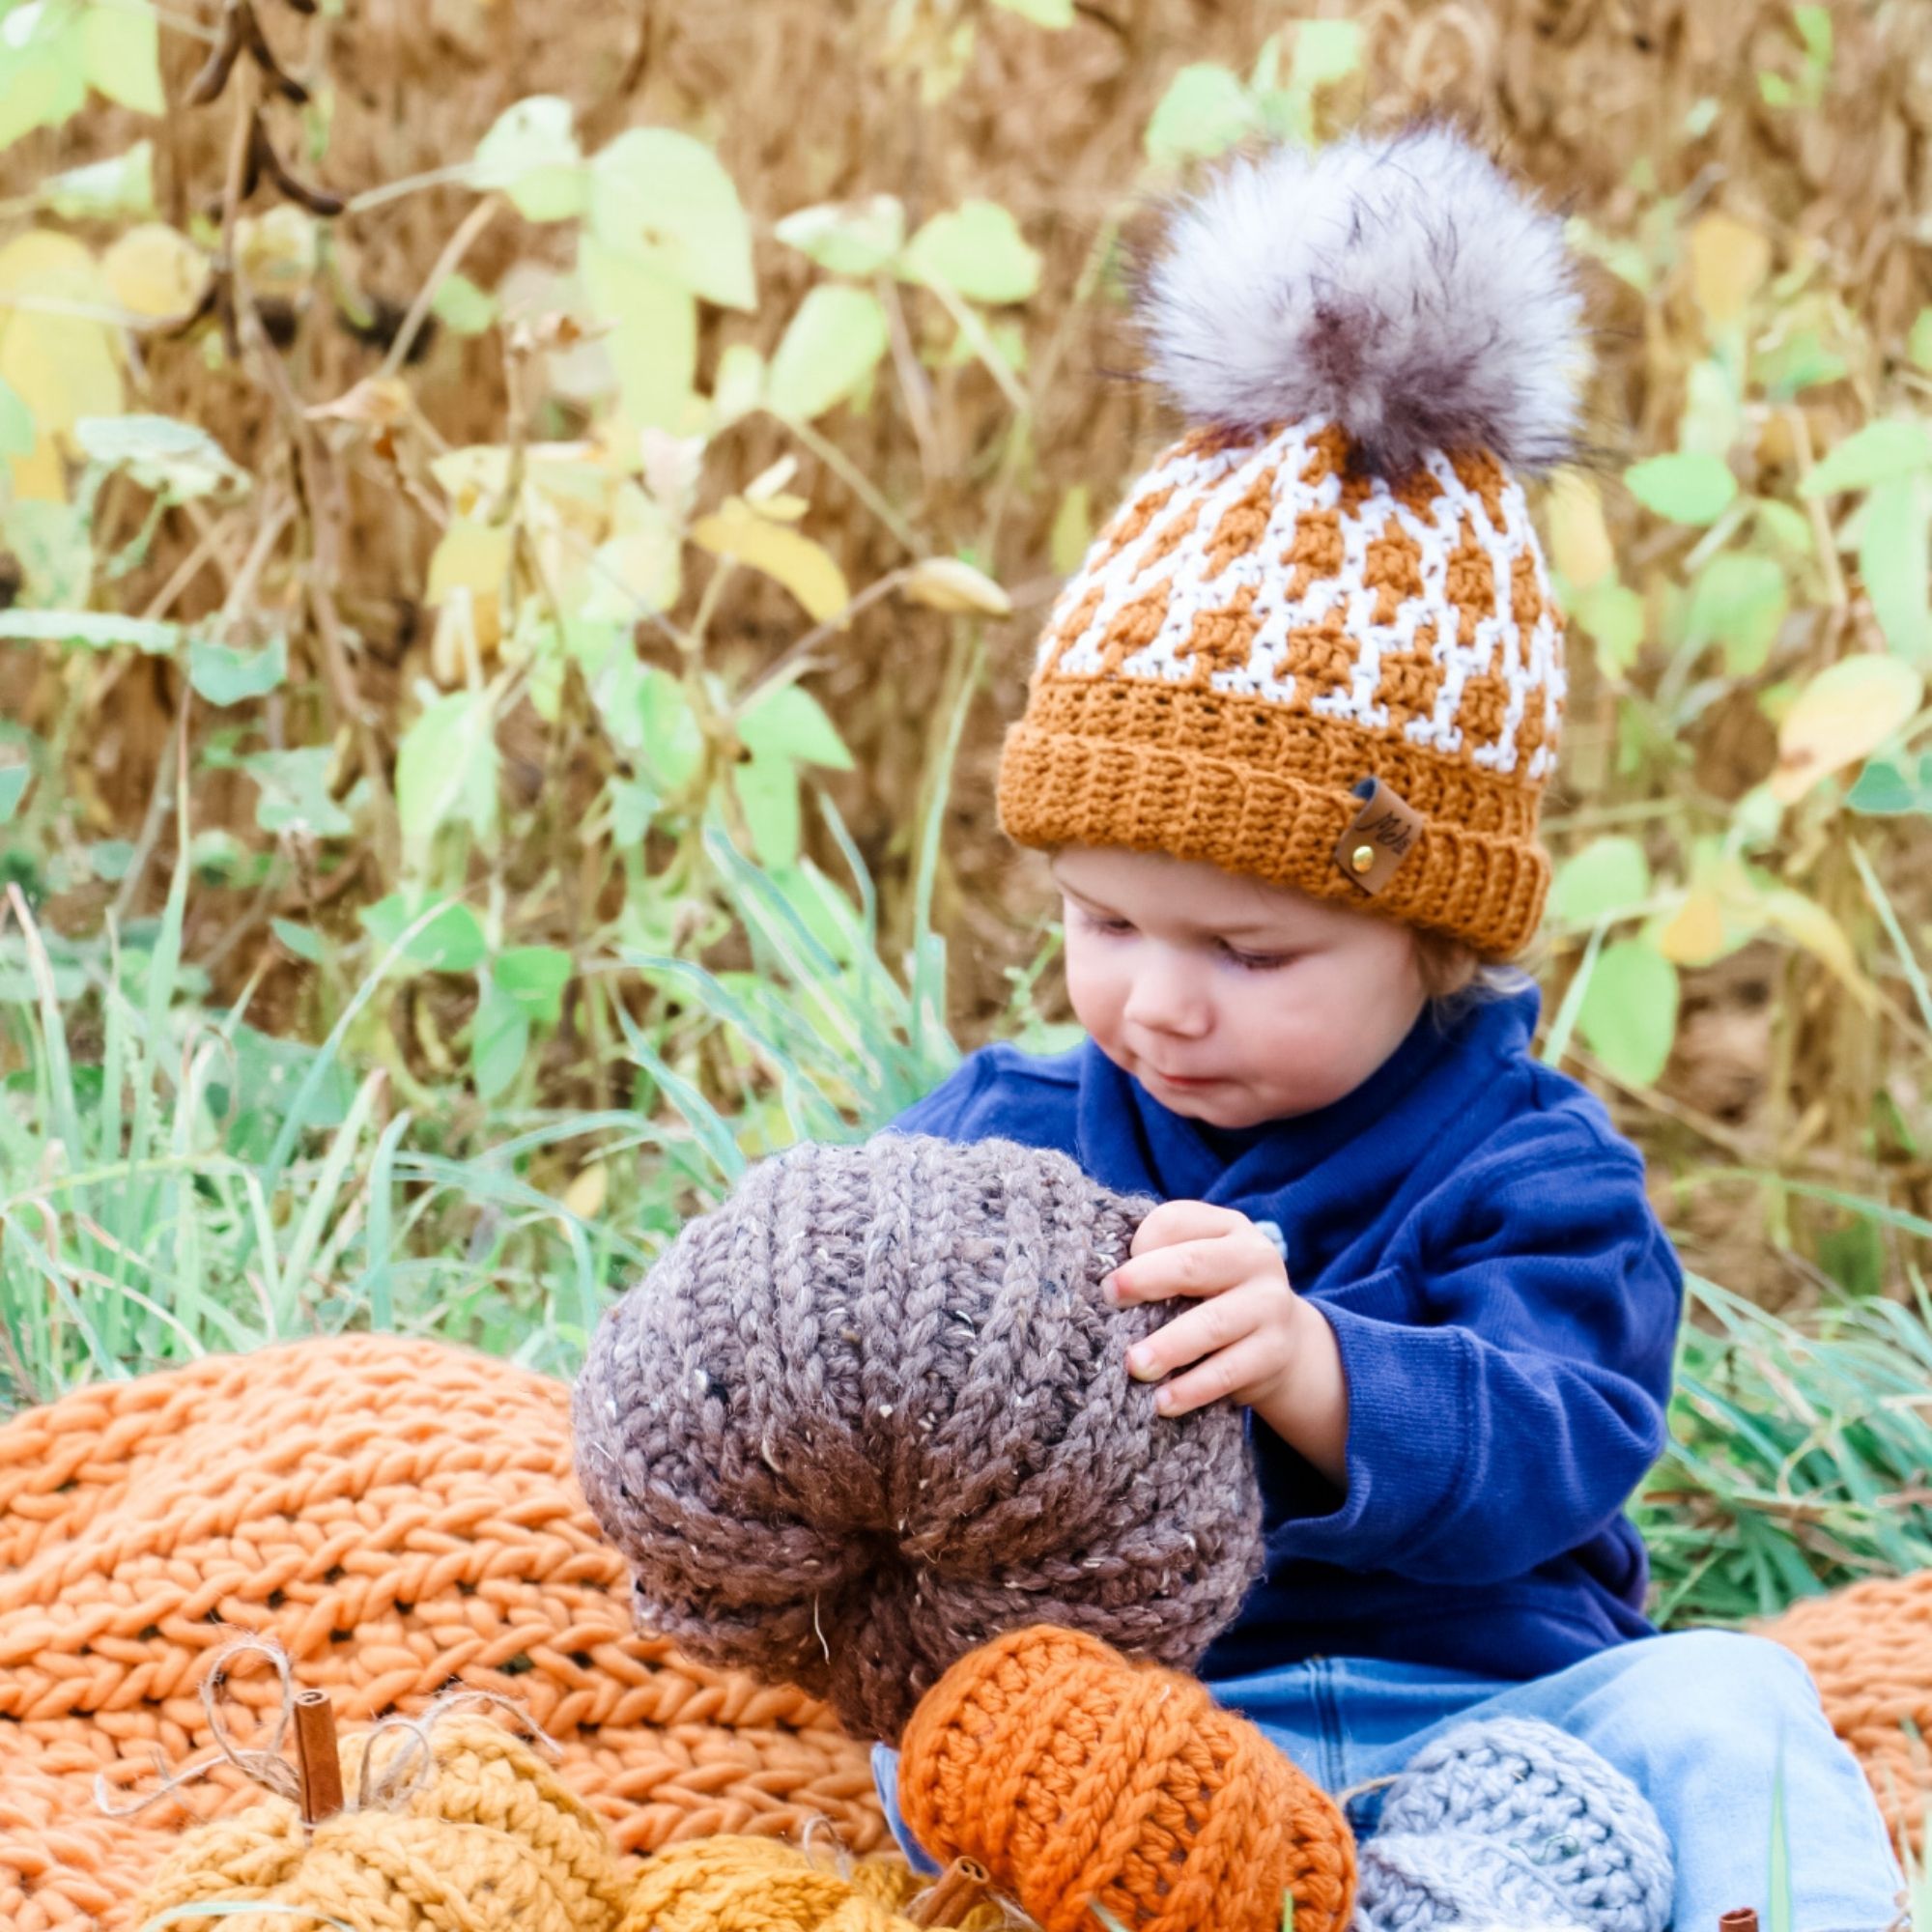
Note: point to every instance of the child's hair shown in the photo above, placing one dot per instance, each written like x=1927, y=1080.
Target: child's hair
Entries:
x=1456, y=978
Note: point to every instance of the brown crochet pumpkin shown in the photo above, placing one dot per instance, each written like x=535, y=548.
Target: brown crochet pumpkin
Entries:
x=399, y=1514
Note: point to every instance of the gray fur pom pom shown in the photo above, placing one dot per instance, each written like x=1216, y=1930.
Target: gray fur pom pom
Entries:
x=1404, y=288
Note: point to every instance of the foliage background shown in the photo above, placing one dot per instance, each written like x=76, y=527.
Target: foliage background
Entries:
x=419, y=894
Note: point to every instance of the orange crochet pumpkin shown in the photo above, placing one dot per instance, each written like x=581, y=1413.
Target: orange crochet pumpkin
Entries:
x=1078, y=1777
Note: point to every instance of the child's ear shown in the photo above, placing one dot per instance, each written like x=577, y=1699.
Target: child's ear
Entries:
x=1446, y=966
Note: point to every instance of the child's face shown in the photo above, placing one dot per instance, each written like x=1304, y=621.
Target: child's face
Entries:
x=1230, y=1000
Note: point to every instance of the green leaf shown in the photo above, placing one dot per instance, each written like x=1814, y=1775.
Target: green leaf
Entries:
x=462, y=307
x=52, y=542
x=1629, y=1011
x=1918, y=344
x=1875, y=454
x=832, y=346
x=120, y=54
x=452, y=940
x=1613, y=614
x=17, y=422
x=42, y=68
x=663, y=199
x=767, y=790
x=653, y=338
x=110, y=858
x=1326, y=51
x=1894, y=559
x=176, y=459
x=1740, y=600
x=121, y=186
x=500, y=1037
x=1686, y=485
x=790, y=723
x=1204, y=112
x=532, y=154
x=304, y=941
x=294, y=792
x=14, y=783
x=447, y=770
x=672, y=744
x=1886, y=789
x=1055, y=13
x=534, y=977
x=225, y=675
x=977, y=251
x=97, y=630
x=1607, y=877
x=850, y=238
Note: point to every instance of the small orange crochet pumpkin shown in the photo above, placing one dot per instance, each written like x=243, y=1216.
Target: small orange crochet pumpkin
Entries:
x=1080, y=1779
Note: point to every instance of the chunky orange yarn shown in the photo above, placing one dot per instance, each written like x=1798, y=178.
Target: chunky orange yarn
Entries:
x=399, y=1514
x=1869, y=1650
x=1078, y=1777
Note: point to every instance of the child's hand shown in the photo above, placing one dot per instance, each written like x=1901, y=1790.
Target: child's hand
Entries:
x=1253, y=1340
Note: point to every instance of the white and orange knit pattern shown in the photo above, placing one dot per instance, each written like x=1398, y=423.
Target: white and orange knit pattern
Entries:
x=1418, y=610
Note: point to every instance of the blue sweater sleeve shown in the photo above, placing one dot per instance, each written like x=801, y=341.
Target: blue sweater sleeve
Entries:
x=1507, y=1382
x=947, y=1111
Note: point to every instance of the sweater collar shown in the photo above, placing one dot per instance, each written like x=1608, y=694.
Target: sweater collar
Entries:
x=1134, y=1142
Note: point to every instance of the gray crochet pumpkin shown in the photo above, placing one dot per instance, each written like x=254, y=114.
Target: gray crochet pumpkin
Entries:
x=874, y=1410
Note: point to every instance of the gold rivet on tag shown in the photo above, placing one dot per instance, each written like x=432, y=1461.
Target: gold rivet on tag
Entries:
x=1362, y=857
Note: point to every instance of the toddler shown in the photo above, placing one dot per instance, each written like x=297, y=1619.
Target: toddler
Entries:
x=1284, y=742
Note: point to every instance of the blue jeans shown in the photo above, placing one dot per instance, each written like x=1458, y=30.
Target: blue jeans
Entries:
x=1699, y=1721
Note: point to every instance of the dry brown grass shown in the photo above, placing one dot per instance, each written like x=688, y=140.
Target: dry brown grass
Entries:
x=1588, y=97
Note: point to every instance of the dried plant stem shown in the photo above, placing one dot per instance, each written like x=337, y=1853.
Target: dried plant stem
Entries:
x=454, y=249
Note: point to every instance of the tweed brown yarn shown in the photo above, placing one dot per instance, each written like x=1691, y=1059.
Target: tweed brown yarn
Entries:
x=874, y=1410
x=1077, y=1778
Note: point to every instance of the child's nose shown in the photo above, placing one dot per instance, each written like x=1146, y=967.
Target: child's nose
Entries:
x=1166, y=995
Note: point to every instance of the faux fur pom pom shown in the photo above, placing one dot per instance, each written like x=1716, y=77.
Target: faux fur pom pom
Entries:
x=1403, y=287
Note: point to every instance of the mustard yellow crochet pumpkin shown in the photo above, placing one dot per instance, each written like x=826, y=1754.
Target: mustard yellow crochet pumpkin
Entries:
x=490, y=1841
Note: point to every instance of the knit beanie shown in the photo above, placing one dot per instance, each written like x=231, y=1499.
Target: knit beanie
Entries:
x=1511, y=1822
x=873, y=1411
x=1317, y=643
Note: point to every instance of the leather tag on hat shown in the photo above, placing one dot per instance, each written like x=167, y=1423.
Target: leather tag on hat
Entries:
x=1379, y=837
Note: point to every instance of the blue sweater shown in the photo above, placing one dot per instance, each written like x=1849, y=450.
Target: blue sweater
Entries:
x=1476, y=1232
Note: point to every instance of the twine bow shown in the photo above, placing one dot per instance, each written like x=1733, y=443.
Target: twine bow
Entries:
x=385, y=1786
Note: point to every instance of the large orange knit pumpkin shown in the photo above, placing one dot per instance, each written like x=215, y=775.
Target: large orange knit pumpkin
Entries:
x=398, y=1514
x=1869, y=1649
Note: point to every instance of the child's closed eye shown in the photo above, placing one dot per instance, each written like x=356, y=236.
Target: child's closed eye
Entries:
x=1107, y=926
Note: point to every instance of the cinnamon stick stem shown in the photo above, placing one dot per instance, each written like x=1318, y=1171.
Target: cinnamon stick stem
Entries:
x=963, y=1885
x=317, y=1758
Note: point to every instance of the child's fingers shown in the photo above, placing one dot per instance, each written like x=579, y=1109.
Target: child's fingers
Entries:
x=1247, y=1365
x=1175, y=1221
x=1200, y=1267
x=1215, y=1324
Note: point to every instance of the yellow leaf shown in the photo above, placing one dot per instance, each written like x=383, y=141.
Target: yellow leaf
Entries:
x=280, y=250
x=946, y=584
x=584, y=1196
x=1694, y=934
x=1579, y=543
x=376, y=402
x=65, y=365
x=785, y=507
x=1848, y=709
x=155, y=270
x=794, y=560
x=1806, y=923
x=639, y=568
x=1729, y=264
x=472, y=556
